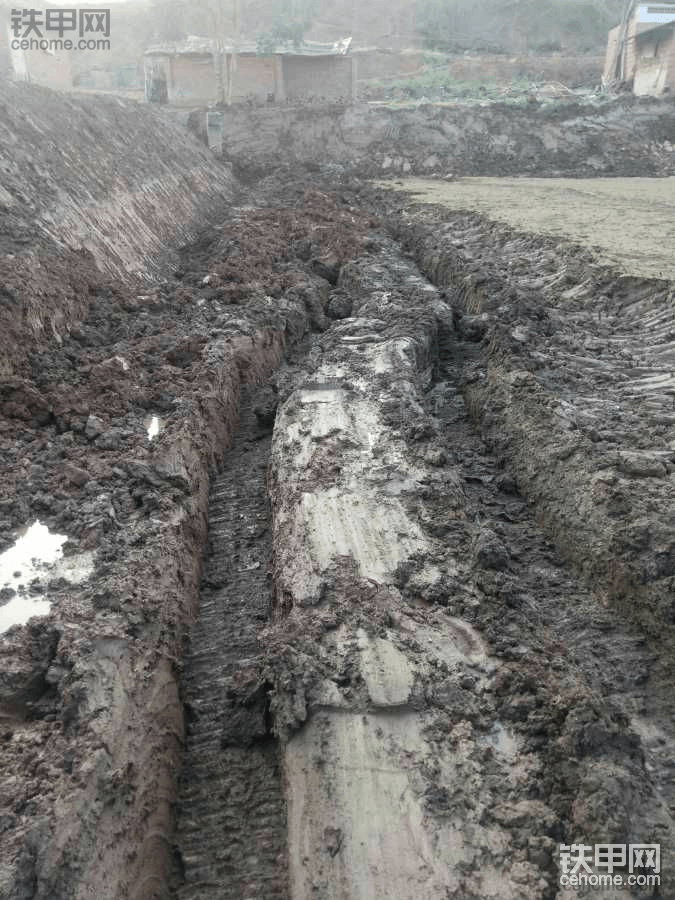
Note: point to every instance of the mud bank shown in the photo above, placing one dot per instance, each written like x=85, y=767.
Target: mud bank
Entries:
x=424, y=692
x=621, y=220
x=623, y=138
x=577, y=396
x=89, y=186
x=101, y=727
x=92, y=721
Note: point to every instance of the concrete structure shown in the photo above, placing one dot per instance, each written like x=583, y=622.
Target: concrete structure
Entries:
x=641, y=50
x=204, y=72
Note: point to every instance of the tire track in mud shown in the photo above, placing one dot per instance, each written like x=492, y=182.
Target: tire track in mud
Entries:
x=231, y=821
x=544, y=736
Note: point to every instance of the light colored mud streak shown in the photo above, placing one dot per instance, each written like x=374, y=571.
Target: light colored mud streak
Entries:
x=387, y=852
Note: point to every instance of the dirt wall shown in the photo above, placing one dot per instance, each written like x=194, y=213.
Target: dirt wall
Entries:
x=627, y=137
x=88, y=186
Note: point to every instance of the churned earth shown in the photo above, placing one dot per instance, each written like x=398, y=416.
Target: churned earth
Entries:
x=92, y=722
x=368, y=582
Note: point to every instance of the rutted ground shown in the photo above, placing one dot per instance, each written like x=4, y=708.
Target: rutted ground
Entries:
x=92, y=721
x=577, y=396
x=231, y=814
x=431, y=685
x=461, y=654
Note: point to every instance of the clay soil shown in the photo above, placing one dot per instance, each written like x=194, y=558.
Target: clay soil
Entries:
x=90, y=717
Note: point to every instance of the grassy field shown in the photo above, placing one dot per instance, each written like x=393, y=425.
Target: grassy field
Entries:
x=630, y=222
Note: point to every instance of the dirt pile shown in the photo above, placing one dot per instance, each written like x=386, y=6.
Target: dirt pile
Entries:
x=455, y=631
x=89, y=186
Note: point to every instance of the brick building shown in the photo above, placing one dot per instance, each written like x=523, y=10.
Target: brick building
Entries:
x=203, y=72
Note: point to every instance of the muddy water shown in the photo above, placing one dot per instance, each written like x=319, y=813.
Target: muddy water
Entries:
x=35, y=554
x=629, y=221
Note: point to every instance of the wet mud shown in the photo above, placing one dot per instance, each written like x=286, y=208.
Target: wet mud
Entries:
x=92, y=719
x=231, y=815
x=539, y=707
x=372, y=509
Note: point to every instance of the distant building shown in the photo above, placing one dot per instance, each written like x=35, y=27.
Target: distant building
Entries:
x=51, y=68
x=641, y=50
x=204, y=72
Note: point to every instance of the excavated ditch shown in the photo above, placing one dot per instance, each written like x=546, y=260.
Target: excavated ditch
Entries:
x=430, y=636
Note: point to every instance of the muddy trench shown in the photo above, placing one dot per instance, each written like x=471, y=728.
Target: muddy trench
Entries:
x=557, y=710
x=384, y=605
x=231, y=823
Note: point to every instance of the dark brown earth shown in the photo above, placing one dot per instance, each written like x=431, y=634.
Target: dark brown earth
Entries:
x=579, y=683
x=75, y=453
x=144, y=720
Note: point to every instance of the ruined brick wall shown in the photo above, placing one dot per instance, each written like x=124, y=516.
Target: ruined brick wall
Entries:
x=253, y=76
x=191, y=80
x=609, y=70
x=655, y=63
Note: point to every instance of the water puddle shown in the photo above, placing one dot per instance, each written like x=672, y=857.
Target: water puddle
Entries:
x=153, y=425
x=36, y=553
x=503, y=740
